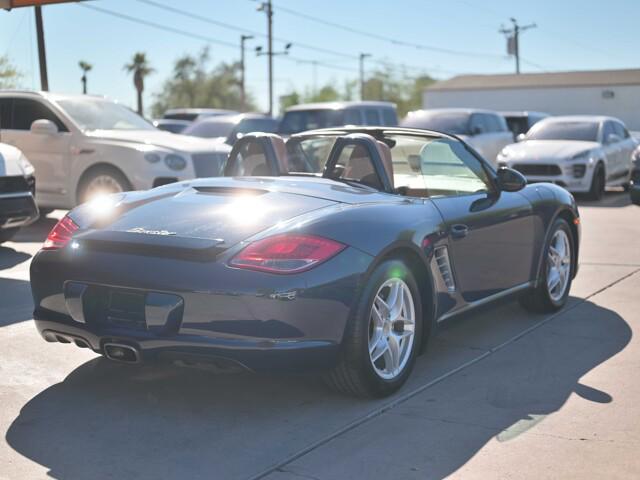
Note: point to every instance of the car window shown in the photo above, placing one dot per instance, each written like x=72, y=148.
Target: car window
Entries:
x=210, y=128
x=456, y=123
x=299, y=120
x=607, y=130
x=619, y=130
x=352, y=116
x=27, y=111
x=479, y=124
x=496, y=123
x=389, y=117
x=371, y=116
x=449, y=169
x=251, y=160
x=266, y=125
x=585, y=131
x=5, y=112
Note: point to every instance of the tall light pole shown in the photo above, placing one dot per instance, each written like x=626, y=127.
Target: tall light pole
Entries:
x=267, y=8
x=513, y=40
x=362, y=57
x=243, y=97
x=42, y=55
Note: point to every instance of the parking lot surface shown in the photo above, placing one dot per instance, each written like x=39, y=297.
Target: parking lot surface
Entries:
x=500, y=394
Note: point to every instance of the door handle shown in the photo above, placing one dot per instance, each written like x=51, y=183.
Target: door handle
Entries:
x=459, y=230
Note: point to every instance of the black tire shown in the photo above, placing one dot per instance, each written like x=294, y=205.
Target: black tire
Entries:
x=598, y=181
x=114, y=174
x=7, y=234
x=354, y=373
x=538, y=299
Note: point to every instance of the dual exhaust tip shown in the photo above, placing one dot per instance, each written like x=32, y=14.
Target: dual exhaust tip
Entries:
x=121, y=353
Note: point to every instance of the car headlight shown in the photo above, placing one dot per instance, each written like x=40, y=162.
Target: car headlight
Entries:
x=25, y=165
x=175, y=162
x=152, y=157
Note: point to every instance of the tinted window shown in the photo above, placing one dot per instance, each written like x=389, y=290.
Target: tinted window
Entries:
x=181, y=116
x=5, y=112
x=26, y=111
x=301, y=120
x=172, y=127
x=266, y=125
x=371, y=116
x=448, y=122
x=352, y=116
x=619, y=130
x=495, y=123
x=564, y=130
x=607, y=129
x=480, y=123
x=389, y=117
x=518, y=125
x=210, y=128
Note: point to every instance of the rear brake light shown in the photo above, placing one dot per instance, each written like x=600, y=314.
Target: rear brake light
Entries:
x=61, y=234
x=286, y=253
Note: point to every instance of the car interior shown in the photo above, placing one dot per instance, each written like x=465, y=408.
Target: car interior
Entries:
x=399, y=163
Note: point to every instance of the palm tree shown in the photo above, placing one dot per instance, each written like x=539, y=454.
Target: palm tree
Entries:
x=140, y=68
x=85, y=67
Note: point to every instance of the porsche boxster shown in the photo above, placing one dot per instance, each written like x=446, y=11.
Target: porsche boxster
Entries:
x=341, y=250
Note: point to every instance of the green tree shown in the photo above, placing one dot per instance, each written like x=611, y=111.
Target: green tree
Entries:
x=85, y=67
x=194, y=84
x=140, y=68
x=9, y=74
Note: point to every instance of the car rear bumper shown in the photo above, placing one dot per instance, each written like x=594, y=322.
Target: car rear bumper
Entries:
x=17, y=210
x=185, y=309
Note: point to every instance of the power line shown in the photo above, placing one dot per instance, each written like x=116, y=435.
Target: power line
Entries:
x=391, y=40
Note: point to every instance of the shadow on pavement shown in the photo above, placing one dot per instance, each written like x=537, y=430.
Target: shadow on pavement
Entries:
x=36, y=232
x=21, y=308
x=10, y=257
x=610, y=200
x=108, y=420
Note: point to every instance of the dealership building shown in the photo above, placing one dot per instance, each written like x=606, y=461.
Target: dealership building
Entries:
x=602, y=92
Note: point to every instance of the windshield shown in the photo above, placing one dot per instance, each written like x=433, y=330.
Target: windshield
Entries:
x=301, y=120
x=581, y=131
x=210, y=128
x=94, y=114
x=456, y=123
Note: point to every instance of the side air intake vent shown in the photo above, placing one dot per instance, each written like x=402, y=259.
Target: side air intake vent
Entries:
x=442, y=259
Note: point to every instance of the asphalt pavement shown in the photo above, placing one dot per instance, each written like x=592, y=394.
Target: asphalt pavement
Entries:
x=500, y=394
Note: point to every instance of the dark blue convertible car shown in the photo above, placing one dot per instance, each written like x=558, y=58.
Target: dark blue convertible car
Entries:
x=340, y=250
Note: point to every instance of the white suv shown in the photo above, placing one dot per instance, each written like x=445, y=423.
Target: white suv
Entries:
x=83, y=145
x=583, y=153
x=486, y=131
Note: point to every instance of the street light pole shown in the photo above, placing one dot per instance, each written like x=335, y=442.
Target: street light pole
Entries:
x=243, y=98
x=362, y=57
x=268, y=9
x=42, y=55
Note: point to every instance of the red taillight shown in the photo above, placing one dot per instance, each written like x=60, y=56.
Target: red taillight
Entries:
x=287, y=253
x=61, y=234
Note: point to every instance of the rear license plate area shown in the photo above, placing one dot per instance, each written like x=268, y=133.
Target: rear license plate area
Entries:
x=125, y=309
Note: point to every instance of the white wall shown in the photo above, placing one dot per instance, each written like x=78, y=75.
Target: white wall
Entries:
x=624, y=105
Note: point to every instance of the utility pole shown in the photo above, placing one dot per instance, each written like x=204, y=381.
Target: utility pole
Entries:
x=268, y=9
x=362, y=57
x=243, y=97
x=513, y=39
x=42, y=55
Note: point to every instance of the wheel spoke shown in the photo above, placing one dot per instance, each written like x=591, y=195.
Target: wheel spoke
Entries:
x=377, y=316
x=380, y=348
x=394, y=353
x=554, y=279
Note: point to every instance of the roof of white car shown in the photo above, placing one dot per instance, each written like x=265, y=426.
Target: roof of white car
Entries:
x=579, y=118
x=339, y=105
x=51, y=95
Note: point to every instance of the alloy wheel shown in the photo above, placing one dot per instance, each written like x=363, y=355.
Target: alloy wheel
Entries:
x=558, y=265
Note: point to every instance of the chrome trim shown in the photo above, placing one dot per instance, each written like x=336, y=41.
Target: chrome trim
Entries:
x=486, y=300
x=16, y=194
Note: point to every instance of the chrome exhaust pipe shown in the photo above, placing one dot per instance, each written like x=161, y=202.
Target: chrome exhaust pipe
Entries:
x=121, y=353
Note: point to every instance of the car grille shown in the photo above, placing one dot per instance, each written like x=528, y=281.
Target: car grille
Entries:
x=537, y=169
x=17, y=184
x=208, y=164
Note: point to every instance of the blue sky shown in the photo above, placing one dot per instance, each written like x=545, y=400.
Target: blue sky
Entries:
x=571, y=35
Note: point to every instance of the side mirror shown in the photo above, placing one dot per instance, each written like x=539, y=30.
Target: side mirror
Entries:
x=477, y=130
x=510, y=180
x=44, y=127
x=613, y=138
x=634, y=192
x=521, y=137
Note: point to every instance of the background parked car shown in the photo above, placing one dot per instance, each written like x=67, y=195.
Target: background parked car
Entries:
x=581, y=153
x=82, y=145
x=228, y=128
x=486, y=131
x=173, y=126
x=310, y=116
x=192, y=114
x=520, y=122
x=634, y=185
x=17, y=189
